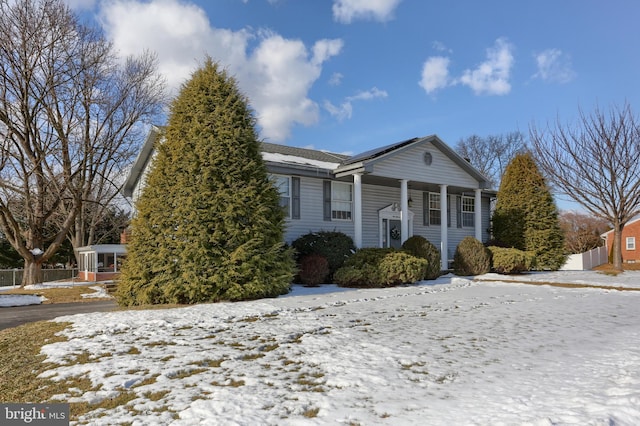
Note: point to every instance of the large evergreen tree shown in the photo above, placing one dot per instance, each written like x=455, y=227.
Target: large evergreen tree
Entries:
x=209, y=226
x=526, y=216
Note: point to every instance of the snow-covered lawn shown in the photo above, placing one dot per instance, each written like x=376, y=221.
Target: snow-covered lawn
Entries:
x=450, y=353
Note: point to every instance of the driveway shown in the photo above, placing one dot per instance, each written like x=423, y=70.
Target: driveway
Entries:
x=18, y=315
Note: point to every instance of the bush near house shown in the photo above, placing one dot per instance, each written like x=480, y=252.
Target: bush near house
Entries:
x=334, y=246
x=508, y=260
x=380, y=267
x=471, y=258
x=209, y=225
x=526, y=216
x=419, y=246
x=314, y=269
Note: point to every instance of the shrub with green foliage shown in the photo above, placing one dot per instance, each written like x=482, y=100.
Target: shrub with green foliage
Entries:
x=401, y=268
x=334, y=246
x=314, y=269
x=209, y=226
x=471, y=258
x=526, y=217
x=508, y=260
x=377, y=267
x=420, y=247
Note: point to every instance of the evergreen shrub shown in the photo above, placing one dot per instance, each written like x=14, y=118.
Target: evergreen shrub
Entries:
x=526, y=216
x=380, y=267
x=420, y=247
x=401, y=268
x=314, y=269
x=334, y=246
x=471, y=258
x=209, y=226
x=508, y=260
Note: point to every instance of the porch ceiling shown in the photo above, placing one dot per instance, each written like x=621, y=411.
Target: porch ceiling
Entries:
x=413, y=185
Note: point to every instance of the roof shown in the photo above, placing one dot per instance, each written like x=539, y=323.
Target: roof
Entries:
x=282, y=158
x=368, y=155
x=632, y=221
x=311, y=154
x=368, y=158
x=141, y=161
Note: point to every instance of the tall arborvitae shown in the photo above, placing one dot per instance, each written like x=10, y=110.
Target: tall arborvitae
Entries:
x=209, y=226
x=526, y=216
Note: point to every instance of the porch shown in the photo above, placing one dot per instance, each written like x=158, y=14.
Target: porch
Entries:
x=100, y=262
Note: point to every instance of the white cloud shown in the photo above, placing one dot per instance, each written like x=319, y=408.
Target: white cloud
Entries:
x=276, y=74
x=336, y=79
x=346, y=11
x=435, y=74
x=554, y=65
x=345, y=109
x=440, y=47
x=492, y=76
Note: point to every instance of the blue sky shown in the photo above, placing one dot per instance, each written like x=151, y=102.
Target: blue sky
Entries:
x=351, y=75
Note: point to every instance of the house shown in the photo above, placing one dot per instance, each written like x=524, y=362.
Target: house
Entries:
x=100, y=262
x=630, y=239
x=380, y=198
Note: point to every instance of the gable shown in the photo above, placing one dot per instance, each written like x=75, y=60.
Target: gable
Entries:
x=409, y=163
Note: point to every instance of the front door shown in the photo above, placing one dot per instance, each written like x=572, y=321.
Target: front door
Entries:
x=395, y=234
x=391, y=227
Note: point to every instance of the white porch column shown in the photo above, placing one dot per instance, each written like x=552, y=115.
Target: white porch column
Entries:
x=404, y=210
x=357, y=209
x=477, y=205
x=444, y=224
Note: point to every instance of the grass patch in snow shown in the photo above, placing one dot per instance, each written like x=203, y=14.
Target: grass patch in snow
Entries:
x=72, y=294
x=208, y=362
x=311, y=412
x=156, y=396
x=181, y=374
x=21, y=363
x=160, y=343
x=229, y=382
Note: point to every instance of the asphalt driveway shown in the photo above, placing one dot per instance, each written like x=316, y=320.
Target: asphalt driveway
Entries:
x=18, y=315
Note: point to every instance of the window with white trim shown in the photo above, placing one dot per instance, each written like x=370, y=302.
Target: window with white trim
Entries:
x=468, y=211
x=435, y=206
x=341, y=201
x=631, y=243
x=283, y=185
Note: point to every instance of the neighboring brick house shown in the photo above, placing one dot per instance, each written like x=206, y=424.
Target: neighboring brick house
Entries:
x=630, y=241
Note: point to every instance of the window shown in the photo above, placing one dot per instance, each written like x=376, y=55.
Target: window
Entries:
x=341, y=201
x=283, y=185
x=631, y=243
x=468, y=211
x=434, y=205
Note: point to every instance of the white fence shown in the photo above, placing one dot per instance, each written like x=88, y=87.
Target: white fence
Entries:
x=587, y=260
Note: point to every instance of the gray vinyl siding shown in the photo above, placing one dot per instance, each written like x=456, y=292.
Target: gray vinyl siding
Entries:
x=410, y=165
x=311, y=213
x=374, y=198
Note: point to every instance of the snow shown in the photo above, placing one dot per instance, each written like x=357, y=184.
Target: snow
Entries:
x=628, y=279
x=7, y=300
x=453, y=351
x=292, y=159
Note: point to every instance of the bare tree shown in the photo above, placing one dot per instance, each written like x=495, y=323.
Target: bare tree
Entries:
x=581, y=231
x=597, y=164
x=69, y=112
x=491, y=154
